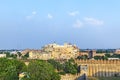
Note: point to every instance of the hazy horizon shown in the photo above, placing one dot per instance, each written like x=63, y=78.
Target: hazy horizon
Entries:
x=31, y=24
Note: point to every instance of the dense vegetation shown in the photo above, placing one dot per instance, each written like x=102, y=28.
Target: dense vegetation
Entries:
x=10, y=69
x=83, y=57
x=107, y=55
x=41, y=70
x=36, y=70
x=100, y=57
x=67, y=67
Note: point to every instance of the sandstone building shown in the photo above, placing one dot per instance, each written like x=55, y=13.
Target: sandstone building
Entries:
x=55, y=51
x=2, y=55
x=99, y=68
x=90, y=53
x=117, y=51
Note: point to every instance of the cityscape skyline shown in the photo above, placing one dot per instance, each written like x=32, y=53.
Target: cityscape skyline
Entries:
x=33, y=24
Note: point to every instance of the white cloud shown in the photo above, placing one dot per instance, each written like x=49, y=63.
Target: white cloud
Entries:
x=34, y=13
x=78, y=24
x=31, y=16
x=93, y=21
x=74, y=13
x=49, y=16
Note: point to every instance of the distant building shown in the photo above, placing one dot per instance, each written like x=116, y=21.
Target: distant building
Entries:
x=13, y=52
x=24, y=52
x=90, y=53
x=2, y=55
x=113, y=58
x=117, y=51
x=81, y=53
x=55, y=51
x=100, y=54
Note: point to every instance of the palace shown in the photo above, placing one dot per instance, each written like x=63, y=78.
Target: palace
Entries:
x=55, y=51
x=66, y=51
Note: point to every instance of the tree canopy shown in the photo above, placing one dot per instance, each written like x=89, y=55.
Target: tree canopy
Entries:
x=10, y=69
x=41, y=70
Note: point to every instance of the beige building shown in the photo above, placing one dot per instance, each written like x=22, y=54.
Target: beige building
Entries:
x=91, y=53
x=38, y=54
x=55, y=51
x=2, y=55
x=99, y=68
x=117, y=51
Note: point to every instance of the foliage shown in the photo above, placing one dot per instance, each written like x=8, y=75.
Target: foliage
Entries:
x=70, y=67
x=71, y=60
x=116, y=56
x=25, y=56
x=7, y=53
x=107, y=55
x=105, y=51
x=101, y=57
x=14, y=56
x=19, y=54
x=56, y=64
x=67, y=67
x=41, y=70
x=83, y=57
x=9, y=69
x=61, y=73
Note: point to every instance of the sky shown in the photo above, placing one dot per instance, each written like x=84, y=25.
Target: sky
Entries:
x=34, y=23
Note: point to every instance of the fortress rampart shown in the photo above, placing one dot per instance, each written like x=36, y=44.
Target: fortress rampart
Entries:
x=99, y=68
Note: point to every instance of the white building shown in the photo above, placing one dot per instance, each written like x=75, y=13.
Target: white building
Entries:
x=2, y=55
x=113, y=58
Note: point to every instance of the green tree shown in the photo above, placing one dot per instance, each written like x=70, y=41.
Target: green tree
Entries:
x=107, y=55
x=7, y=54
x=41, y=70
x=19, y=54
x=83, y=57
x=25, y=56
x=10, y=69
x=56, y=64
x=69, y=67
x=14, y=56
x=101, y=57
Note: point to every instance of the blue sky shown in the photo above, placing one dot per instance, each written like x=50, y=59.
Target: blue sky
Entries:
x=34, y=23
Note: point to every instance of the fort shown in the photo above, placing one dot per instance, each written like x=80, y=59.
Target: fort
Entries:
x=99, y=68
x=90, y=67
x=96, y=68
x=54, y=51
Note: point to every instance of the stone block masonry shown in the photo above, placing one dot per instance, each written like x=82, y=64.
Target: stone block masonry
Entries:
x=100, y=68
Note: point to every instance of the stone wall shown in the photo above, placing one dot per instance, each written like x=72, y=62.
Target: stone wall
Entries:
x=69, y=77
x=100, y=68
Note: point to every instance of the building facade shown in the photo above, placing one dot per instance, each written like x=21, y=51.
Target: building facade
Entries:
x=2, y=55
x=55, y=51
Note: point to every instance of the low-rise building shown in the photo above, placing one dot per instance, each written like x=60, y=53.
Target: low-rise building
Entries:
x=2, y=55
x=117, y=51
x=113, y=58
x=91, y=53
